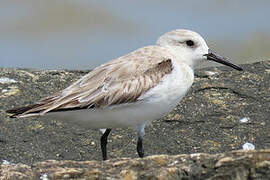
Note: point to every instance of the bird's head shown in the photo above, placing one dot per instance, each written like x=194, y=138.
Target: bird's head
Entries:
x=191, y=48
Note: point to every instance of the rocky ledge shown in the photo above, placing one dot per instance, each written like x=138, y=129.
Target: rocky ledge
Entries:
x=232, y=165
x=224, y=111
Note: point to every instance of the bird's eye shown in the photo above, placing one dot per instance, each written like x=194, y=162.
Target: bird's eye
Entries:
x=190, y=43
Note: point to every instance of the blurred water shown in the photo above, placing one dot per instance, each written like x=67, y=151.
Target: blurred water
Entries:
x=81, y=34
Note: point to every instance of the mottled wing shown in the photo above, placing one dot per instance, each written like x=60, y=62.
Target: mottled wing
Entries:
x=119, y=81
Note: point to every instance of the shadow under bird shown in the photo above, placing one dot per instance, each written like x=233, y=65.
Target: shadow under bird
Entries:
x=132, y=90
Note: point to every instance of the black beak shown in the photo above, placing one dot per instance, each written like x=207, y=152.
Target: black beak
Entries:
x=213, y=56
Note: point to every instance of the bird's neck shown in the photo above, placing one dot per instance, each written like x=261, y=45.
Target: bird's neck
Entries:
x=181, y=57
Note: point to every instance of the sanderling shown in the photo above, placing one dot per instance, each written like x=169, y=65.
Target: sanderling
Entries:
x=132, y=90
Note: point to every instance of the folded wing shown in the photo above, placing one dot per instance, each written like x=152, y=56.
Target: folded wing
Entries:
x=119, y=81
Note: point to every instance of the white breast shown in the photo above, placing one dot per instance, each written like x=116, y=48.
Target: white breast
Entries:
x=172, y=88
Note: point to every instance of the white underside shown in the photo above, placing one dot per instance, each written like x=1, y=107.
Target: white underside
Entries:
x=156, y=103
x=129, y=115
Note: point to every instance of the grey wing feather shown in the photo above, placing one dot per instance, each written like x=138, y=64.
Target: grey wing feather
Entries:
x=116, y=82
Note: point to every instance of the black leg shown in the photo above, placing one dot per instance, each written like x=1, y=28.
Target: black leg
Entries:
x=103, y=143
x=140, y=147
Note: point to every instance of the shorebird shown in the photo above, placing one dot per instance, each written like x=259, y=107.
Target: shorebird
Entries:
x=132, y=90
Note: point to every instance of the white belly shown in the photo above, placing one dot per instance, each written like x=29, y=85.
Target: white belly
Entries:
x=128, y=115
x=154, y=104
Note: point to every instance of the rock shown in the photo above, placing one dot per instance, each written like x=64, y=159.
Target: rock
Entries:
x=231, y=165
x=224, y=110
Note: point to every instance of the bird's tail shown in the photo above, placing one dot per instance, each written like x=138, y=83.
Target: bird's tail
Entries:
x=22, y=111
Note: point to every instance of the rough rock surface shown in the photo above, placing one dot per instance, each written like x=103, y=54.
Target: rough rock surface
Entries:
x=236, y=165
x=223, y=110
